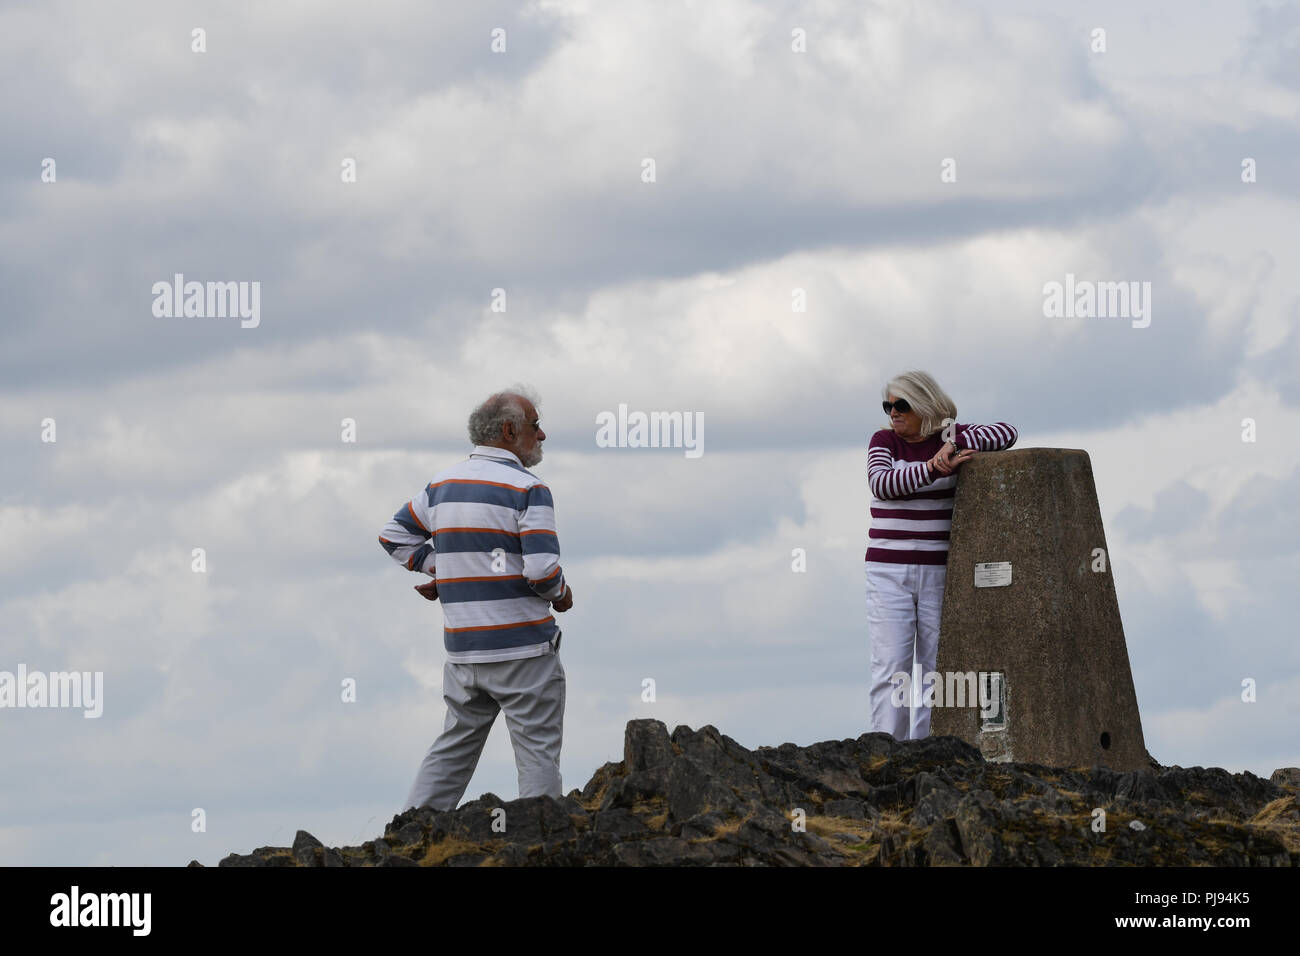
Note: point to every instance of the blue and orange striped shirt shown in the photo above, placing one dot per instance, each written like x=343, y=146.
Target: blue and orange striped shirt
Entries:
x=484, y=529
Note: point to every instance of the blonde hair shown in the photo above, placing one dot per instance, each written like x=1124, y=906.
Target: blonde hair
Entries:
x=925, y=396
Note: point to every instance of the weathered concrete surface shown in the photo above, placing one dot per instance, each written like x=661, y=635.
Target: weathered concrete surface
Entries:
x=1055, y=631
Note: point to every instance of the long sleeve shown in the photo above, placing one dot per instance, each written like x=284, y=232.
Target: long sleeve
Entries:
x=886, y=481
x=993, y=437
x=406, y=537
x=541, y=545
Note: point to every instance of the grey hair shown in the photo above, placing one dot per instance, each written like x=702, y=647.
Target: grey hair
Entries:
x=485, y=421
x=925, y=396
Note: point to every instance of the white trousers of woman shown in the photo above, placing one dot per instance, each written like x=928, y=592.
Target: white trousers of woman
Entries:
x=903, y=606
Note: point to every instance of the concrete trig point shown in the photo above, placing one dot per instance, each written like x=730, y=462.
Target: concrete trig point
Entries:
x=1029, y=596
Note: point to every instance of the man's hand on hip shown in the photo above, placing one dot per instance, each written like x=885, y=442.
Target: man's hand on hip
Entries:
x=428, y=590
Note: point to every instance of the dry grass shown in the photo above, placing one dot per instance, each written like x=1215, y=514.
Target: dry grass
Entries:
x=445, y=849
x=828, y=826
x=725, y=830
x=1280, y=819
x=866, y=851
x=1283, y=811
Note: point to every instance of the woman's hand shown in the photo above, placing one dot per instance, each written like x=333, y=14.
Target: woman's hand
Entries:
x=961, y=457
x=949, y=459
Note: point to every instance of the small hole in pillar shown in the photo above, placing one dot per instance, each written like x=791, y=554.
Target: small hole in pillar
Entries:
x=1105, y=740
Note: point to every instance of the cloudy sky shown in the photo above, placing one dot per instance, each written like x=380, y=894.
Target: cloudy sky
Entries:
x=798, y=145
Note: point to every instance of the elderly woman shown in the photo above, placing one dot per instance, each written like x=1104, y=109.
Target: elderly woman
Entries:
x=912, y=471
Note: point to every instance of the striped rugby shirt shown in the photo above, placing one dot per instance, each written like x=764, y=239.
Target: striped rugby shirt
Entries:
x=911, y=506
x=450, y=530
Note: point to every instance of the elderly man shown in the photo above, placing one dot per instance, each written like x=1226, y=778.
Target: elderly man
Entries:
x=484, y=530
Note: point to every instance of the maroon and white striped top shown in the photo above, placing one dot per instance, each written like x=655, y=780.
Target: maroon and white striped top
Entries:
x=911, y=506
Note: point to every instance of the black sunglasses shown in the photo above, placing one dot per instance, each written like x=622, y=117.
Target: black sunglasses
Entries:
x=901, y=405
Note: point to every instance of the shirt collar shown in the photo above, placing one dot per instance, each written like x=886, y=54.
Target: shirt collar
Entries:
x=491, y=451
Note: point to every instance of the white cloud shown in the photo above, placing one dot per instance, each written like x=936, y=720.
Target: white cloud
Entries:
x=777, y=171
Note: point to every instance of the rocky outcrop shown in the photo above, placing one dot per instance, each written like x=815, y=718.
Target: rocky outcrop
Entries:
x=698, y=798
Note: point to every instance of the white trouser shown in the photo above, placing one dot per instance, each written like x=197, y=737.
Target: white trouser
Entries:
x=530, y=692
x=903, y=605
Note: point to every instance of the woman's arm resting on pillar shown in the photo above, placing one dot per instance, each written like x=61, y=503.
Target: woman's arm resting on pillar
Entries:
x=995, y=437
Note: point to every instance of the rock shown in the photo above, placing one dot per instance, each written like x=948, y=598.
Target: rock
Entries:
x=636, y=787
x=410, y=833
x=305, y=847
x=536, y=820
x=847, y=808
x=942, y=844
x=665, y=851
x=304, y=839
x=646, y=745
x=881, y=798
x=692, y=789
x=935, y=805
x=619, y=822
x=702, y=826
x=600, y=780
x=698, y=798
x=1141, y=786
x=1286, y=777
x=1048, y=854
x=977, y=828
